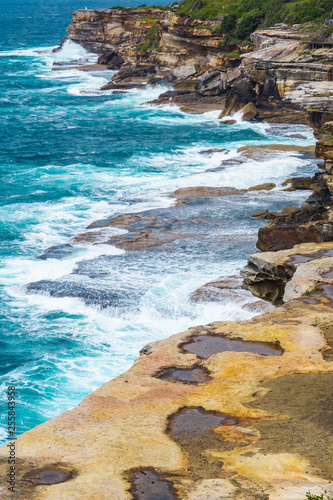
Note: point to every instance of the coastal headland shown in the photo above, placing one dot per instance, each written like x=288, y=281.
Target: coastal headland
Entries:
x=229, y=410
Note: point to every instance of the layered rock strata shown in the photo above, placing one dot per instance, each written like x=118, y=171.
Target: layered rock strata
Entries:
x=149, y=45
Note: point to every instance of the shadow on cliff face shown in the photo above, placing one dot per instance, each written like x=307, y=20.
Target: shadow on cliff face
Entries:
x=307, y=399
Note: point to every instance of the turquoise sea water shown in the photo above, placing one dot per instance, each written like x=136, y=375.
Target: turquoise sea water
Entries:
x=70, y=155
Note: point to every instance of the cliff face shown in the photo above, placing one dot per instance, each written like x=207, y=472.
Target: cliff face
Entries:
x=182, y=41
x=101, y=30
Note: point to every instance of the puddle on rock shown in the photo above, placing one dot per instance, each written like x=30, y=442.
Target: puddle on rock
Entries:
x=326, y=291
x=194, y=375
x=48, y=475
x=198, y=420
x=299, y=258
x=191, y=429
x=328, y=274
x=151, y=485
x=205, y=346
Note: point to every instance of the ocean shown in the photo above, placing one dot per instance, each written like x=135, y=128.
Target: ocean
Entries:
x=70, y=155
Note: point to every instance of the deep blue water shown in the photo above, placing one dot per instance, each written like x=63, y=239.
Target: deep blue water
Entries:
x=71, y=154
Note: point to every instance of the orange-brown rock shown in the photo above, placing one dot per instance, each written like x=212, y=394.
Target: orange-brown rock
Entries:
x=284, y=275
x=324, y=149
x=280, y=237
x=249, y=112
x=143, y=232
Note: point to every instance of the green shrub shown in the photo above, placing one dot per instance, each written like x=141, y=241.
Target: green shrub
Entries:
x=152, y=40
x=249, y=23
x=234, y=53
x=228, y=23
x=309, y=496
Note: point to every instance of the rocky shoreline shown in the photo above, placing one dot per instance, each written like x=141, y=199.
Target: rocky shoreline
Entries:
x=230, y=410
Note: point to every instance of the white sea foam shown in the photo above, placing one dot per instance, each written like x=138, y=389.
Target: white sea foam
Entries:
x=33, y=52
x=73, y=51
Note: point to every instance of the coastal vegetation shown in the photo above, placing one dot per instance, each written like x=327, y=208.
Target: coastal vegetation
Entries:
x=309, y=496
x=152, y=40
x=242, y=17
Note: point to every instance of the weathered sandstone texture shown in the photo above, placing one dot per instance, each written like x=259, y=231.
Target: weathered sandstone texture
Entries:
x=289, y=274
x=249, y=426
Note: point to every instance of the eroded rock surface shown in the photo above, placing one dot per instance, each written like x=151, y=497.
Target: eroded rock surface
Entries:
x=225, y=436
x=288, y=274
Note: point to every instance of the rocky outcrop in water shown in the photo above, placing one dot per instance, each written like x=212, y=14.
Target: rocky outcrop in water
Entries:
x=313, y=221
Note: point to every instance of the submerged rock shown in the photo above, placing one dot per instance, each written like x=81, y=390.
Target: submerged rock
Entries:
x=183, y=195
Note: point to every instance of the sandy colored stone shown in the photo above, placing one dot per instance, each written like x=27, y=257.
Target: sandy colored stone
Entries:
x=249, y=112
x=266, y=151
x=122, y=425
x=289, y=274
x=267, y=186
x=185, y=194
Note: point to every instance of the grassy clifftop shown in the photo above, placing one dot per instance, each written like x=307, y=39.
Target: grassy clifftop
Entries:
x=257, y=13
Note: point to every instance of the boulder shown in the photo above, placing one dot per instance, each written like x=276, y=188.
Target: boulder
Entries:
x=184, y=71
x=238, y=96
x=267, y=186
x=112, y=59
x=139, y=70
x=324, y=149
x=249, y=112
x=274, y=237
x=228, y=122
x=213, y=82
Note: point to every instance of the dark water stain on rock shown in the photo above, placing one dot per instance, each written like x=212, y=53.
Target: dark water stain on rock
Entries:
x=195, y=375
x=191, y=429
x=151, y=485
x=205, y=346
x=307, y=399
x=49, y=475
x=323, y=294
